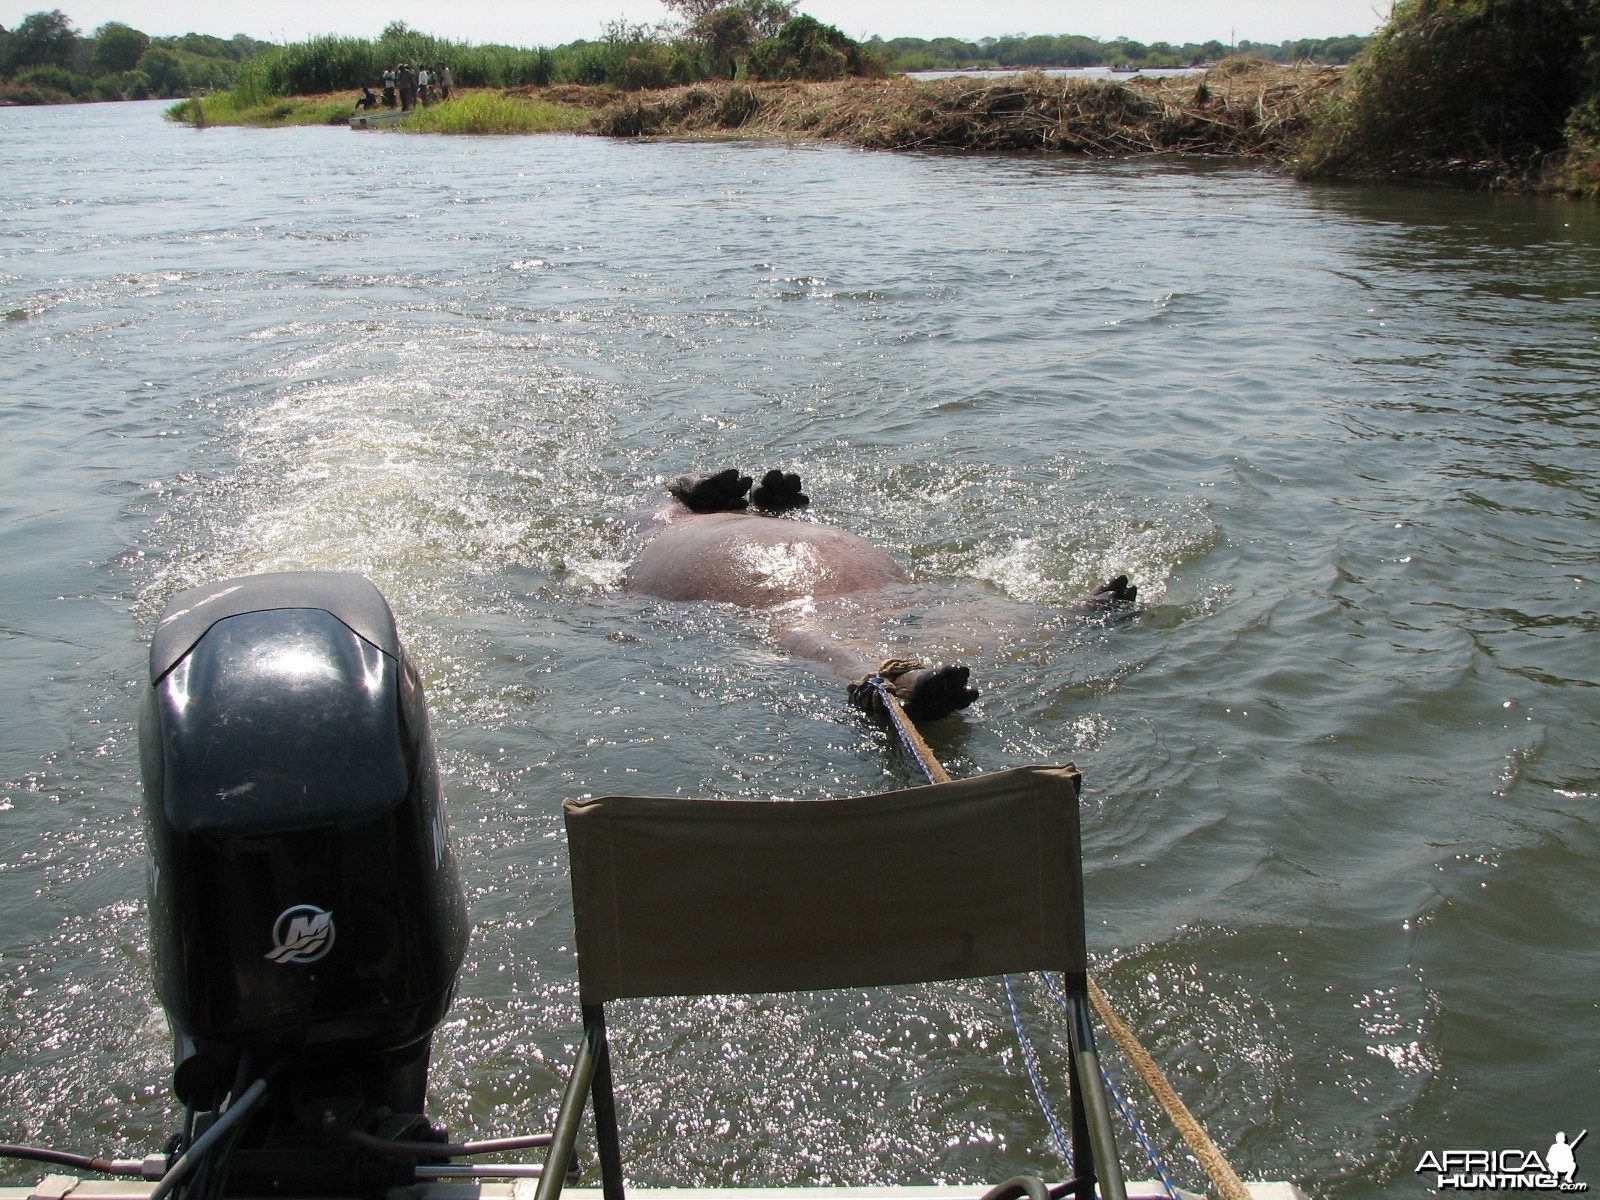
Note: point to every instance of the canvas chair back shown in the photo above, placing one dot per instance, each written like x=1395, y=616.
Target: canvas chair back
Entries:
x=679, y=897
x=684, y=897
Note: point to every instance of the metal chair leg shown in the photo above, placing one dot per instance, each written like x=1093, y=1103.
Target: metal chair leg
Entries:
x=607, y=1141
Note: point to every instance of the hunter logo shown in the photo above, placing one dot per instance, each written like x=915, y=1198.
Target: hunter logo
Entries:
x=301, y=934
x=1512, y=1170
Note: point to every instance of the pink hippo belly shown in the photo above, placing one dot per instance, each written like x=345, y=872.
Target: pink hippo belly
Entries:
x=759, y=562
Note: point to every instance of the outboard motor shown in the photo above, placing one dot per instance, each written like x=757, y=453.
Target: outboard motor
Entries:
x=307, y=919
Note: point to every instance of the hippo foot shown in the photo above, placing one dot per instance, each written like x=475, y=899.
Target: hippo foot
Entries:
x=925, y=693
x=1114, y=600
x=722, y=492
x=779, y=492
x=1116, y=591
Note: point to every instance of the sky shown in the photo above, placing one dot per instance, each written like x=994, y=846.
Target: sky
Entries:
x=553, y=22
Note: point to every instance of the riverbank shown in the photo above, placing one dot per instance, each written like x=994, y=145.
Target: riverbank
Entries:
x=1243, y=107
x=469, y=111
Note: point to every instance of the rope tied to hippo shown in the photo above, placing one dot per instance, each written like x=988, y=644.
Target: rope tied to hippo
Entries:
x=880, y=685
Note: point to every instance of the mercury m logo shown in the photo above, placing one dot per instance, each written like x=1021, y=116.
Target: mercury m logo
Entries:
x=301, y=934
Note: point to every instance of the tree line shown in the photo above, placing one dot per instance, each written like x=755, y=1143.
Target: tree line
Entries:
x=1068, y=50
x=758, y=39
x=45, y=59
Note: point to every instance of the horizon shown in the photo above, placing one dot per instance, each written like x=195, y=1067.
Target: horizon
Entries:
x=541, y=24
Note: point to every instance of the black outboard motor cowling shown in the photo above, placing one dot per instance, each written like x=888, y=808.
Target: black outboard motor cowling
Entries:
x=306, y=912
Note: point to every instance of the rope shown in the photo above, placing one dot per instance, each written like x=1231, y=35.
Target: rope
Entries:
x=1216, y=1166
x=1126, y=1110
x=1205, y=1150
x=1031, y=1061
x=1122, y=1104
x=909, y=737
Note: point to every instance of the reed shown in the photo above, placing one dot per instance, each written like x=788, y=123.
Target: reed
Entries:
x=330, y=64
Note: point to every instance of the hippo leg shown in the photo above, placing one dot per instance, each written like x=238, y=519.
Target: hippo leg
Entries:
x=779, y=492
x=1115, y=599
x=722, y=492
x=1116, y=590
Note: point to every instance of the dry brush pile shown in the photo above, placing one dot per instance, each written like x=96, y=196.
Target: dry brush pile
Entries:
x=1243, y=107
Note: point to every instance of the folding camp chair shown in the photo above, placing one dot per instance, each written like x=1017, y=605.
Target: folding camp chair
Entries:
x=675, y=897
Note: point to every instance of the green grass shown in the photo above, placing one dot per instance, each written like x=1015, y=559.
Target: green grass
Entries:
x=491, y=112
x=232, y=108
x=485, y=111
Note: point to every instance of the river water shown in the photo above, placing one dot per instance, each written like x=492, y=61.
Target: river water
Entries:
x=1342, y=769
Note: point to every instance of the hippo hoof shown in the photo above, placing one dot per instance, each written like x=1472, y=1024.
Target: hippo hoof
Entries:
x=934, y=692
x=779, y=492
x=722, y=492
x=1116, y=591
x=925, y=693
x=1109, y=596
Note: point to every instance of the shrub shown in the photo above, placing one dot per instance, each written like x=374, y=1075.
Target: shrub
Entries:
x=629, y=58
x=49, y=85
x=1579, y=171
x=1478, y=89
x=805, y=48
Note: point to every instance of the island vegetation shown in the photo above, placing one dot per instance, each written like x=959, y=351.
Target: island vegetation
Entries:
x=1500, y=93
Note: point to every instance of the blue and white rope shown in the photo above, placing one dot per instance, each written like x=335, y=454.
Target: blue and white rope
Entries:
x=909, y=738
x=1031, y=1061
x=935, y=773
x=1122, y=1105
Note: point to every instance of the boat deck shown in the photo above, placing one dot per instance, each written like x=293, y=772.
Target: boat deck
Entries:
x=60, y=1187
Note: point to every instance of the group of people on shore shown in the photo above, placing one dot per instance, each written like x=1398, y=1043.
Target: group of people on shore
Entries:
x=406, y=86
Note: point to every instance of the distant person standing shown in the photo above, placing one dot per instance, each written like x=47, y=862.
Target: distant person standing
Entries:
x=445, y=82
x=408, y=87
x=423, y=80
x=388, y=87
